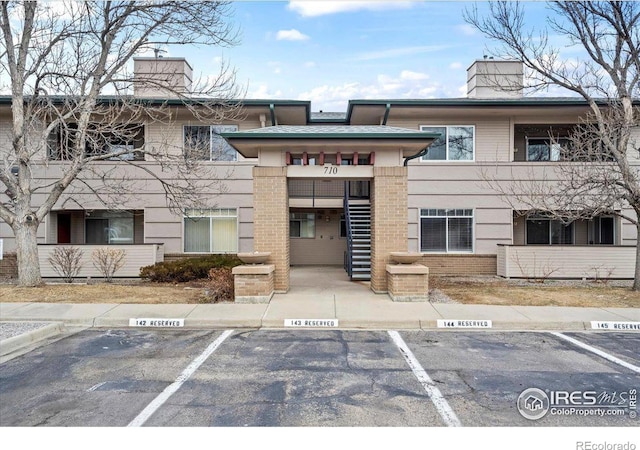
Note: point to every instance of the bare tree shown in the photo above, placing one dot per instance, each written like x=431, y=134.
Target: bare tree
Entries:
x=597, y=173
x=68, y=67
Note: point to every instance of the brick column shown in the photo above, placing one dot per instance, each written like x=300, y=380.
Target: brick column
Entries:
x=271, y=220
x=389, y=219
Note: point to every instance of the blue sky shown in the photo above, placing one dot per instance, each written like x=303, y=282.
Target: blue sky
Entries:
x=330, y=52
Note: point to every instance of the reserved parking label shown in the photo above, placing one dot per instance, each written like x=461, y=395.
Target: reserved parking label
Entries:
x=615, y=326
x=311, y=323
x=447, y=323
x=162, y=323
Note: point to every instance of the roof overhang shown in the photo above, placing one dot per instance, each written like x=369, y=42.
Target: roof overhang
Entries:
x=319, y=138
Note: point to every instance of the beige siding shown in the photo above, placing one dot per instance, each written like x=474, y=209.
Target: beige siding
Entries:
x=136, y=257
x=560, y=261
x=492, y=137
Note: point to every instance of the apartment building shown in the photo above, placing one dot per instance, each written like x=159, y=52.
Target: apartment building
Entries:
x=320, y=188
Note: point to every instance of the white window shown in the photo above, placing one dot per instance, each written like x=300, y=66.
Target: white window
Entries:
x=205, y=143
x=211, y=230
x=544, y=231
x=446, y=230
x=456, y=143
x=109, y=227
x=546, y=149
x=602, y=230
x=302, y=225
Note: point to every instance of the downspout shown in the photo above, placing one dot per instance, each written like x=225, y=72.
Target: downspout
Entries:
x=386, y=114
x=420, y=154
x=272, y=109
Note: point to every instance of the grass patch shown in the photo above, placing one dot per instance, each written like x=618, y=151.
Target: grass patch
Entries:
x=494, y=291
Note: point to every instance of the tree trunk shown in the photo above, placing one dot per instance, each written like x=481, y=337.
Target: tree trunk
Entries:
x=636, y=279
x=27, y=253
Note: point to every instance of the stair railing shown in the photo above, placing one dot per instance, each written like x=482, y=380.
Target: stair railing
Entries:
x=348, y=259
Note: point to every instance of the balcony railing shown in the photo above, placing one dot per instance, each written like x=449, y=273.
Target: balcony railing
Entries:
x=566, y=261
x=136, y=256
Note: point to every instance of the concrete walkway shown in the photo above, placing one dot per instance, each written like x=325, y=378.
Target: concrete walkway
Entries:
x=316, y=293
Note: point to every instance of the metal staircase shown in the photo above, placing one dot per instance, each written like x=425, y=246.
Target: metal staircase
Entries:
x=358, y=223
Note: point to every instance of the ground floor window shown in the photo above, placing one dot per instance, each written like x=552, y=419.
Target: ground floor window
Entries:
x=602, y=231
x=109, y=227
x=302, y=225
x=446, y=230
x=211, y=230
x=545, y=231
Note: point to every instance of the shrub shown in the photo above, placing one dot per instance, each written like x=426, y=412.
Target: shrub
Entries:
x=66, y=262
x=108, y=261
x=220, y=285
x=187, y=269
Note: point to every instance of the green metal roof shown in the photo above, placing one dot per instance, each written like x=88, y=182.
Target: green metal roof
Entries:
x=330, y=132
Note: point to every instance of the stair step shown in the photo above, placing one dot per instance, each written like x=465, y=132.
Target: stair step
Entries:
x=361, y=277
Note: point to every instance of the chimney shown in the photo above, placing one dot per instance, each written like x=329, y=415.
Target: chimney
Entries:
x=493, y=78
x=161, y=77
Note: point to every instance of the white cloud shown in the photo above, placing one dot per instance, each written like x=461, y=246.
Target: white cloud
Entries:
x=409, y=75
x=310, y=64
x=263, y=92
x=455, y=65
x=406, y=84
x=276, y=66
x=467, y=29
x=291, y=35
x=321, y=8
x=402, y=51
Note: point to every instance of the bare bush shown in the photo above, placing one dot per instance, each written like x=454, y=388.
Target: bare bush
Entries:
x=538, y=273
x=220, y=287
x=108, y=261
x=66, y=262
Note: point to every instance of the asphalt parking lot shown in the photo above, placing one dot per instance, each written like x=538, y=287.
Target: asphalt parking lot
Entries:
x=201, y=378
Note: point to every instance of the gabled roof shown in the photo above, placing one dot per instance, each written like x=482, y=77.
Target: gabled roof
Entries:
x=327, y=132
x=309, y=137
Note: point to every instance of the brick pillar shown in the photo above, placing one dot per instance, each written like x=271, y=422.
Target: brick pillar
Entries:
x=271, y=220
x=389, y=219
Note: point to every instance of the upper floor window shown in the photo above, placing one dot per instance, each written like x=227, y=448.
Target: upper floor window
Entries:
x=546, y=148
x=203, y=142
x=120, y=141
x=456, y=143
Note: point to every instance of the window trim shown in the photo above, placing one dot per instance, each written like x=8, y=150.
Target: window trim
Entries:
x=547, y=138
x=184, y=216
x=314, y=225
x=614, y=229
x=89, y=219
x=211, y=134
x=447, y=251
x=549, y=220
x=447, y=160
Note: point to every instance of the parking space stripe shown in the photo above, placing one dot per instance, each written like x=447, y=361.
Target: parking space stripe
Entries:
x=597, y=351
x=442, y=406
x=173, y=387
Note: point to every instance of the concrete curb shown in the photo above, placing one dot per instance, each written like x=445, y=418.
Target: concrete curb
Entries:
x=15, y=343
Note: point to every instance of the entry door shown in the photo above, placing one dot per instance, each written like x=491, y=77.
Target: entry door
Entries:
x=64, y=228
